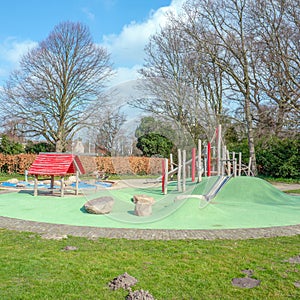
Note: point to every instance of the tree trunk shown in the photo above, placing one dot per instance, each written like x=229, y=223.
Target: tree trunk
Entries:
x=250, y=136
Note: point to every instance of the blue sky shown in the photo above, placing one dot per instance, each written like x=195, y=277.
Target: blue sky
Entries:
x=121, y=26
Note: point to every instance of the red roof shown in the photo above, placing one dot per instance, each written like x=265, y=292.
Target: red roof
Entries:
x=56, y=164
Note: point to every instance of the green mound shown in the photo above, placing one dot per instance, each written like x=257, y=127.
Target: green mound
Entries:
x=255, y=190
x=243, y=202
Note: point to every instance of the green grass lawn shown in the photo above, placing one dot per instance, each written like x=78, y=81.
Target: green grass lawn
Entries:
x=36, y=268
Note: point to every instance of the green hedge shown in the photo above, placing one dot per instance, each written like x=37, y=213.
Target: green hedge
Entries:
x=278, y=157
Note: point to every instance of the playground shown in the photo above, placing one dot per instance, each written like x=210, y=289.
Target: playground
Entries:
x=244, y=202
x=209, y=193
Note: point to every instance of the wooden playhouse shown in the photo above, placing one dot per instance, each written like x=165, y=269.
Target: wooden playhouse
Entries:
x=56, y=164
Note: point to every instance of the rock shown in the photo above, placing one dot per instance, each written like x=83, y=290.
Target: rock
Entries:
x=72, y=179
x=13, y=180
x=143, y=209
x=139, y=295
x=245, y=282
x=294, y=259
x=143, y=199
x=143, y=205
x=124, y=281
x=297, y=284
x=54, y=236
x=70, y=248
x=99, y=206
x=57, y=183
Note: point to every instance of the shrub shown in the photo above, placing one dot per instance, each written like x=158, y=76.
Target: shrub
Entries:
x=278, y=157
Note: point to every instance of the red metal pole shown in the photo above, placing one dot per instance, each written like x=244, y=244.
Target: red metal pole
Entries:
x=208, y=159
x=163, y=176
x=193, y=164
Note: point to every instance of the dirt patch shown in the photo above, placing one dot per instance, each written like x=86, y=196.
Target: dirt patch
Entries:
x=123, y=281
x=294, y=259
x=286, y=186
x=245, y=282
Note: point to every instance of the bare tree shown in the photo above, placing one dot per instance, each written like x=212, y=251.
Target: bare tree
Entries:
x=52, y=91
x=176, y=80
x=223, y=25
x=107, y=130
x=276, y=26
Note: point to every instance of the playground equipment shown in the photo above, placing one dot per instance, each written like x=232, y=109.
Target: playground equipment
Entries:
x=56, y=164
x=212, y=159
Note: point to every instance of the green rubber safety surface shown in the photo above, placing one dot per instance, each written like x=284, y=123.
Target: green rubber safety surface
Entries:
x=243, y=202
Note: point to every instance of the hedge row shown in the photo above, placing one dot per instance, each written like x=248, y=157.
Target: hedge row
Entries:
x=110, y=165
x=16, y=163
x=129, y=165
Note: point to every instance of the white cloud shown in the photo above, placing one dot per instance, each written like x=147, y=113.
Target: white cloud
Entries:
x=127, y=48
x=88, y=13
x=11, y=51
x=124, y=74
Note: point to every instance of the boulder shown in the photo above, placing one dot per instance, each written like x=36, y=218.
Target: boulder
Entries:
x=57, y=183
x=13, y=180
x=143, y=205
x=99, y=206
x=145, y=199
x=143, y=209
x=72, y=179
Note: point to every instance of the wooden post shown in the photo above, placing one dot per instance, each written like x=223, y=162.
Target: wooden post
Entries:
x=164, y=182
x=35, y=191
x=240, y=164
x=234, y=164
x=229, y=164
x=223, y=160
x=166, y=176
x=199, y=161
x=208, y=159
x=179, y=171
x=163, y=173
x=171, y=162
x=183, y=170
x=62, y=186
x=77, y=183
x=52, y=184
x=219, y=139
x=249, y=166
x=193, y=164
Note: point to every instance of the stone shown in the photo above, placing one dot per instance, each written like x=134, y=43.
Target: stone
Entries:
x=294, y=259
x=143, y=209
x=143, y=199
x=13, y=180
x=99, y=206
x=70, y=248
x=143, y=205
x=297, y=284
x=245, y=282
x=54, y=236
x=139, y=295
x=123, y=281
x=72, y=179
x=57, y=183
